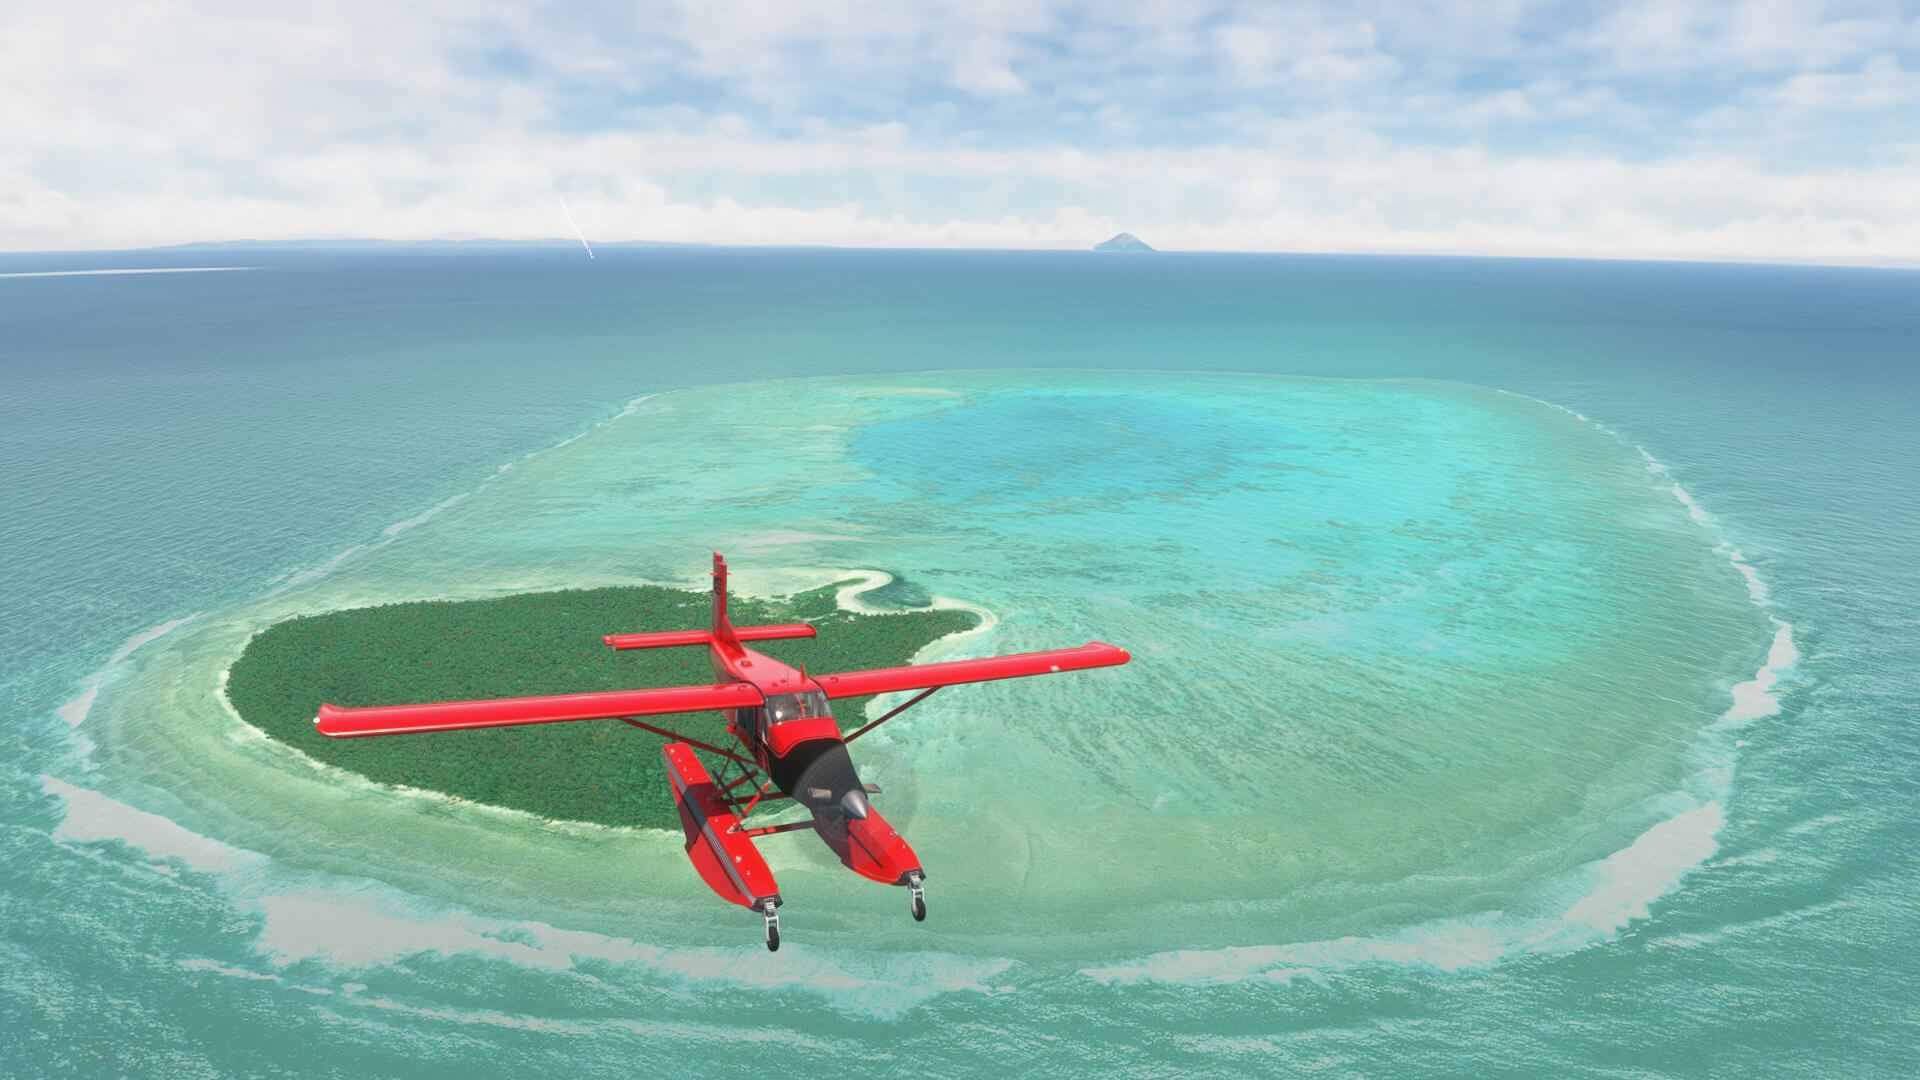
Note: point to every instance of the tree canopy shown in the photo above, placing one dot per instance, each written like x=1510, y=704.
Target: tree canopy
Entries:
x=535, y=643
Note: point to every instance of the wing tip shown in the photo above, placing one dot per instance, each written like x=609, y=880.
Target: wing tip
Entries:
x=326, y=718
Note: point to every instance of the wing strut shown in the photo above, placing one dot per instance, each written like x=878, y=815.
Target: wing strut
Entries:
x=677, y=737
x=986, y=669
x=891, y=713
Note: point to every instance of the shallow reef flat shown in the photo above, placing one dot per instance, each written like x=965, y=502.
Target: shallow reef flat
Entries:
x=1417, y=663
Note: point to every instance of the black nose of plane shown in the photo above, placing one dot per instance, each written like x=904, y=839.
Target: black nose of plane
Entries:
x=854, y=804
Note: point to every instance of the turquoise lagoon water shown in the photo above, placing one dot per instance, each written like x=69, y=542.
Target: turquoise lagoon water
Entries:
x=1524, y=674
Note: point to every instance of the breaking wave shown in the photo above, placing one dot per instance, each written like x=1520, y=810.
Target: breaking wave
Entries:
x=340, y=926
x=302, y=576
x=1586, y=906
x=75, y=711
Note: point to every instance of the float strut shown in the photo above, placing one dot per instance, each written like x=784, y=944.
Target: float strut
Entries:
x=772, y=915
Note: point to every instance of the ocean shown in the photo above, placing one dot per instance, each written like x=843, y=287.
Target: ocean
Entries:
x=1526, y=660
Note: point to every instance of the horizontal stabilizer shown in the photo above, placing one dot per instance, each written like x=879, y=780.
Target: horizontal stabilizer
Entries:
x=345, y=723
x=670, y=638
x=986, y=669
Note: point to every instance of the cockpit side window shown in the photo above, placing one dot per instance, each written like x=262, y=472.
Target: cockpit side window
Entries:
x=781, y=708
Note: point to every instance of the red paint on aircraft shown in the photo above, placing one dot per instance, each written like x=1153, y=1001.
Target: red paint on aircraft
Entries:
x=788, y=740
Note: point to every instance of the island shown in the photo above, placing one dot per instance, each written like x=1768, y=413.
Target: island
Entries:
x=537, y=643
x=1125, y=241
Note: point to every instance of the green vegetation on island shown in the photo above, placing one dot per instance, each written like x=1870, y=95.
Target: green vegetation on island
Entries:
x=536, y=643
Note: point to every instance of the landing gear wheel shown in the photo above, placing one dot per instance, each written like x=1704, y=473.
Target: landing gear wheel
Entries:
x=773, y=928
x=919, y=902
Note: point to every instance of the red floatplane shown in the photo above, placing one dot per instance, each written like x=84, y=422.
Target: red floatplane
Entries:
x=787, y=741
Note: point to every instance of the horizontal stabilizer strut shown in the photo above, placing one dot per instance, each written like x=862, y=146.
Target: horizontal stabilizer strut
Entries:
x=1094, y=654
x=671, y=638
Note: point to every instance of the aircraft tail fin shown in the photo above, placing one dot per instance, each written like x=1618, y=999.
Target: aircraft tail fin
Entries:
x=722, y=628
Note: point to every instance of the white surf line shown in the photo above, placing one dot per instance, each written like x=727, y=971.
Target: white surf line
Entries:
x=1756, y=588
x=303, y=575
x=430, y=512
x=1607, y=894
x=294, y=578
x=75, y=711
x=576, y=228
x=340, y=924
x=1755, y=699
x=1603, y=897
x=848, y=598
x=147, y=270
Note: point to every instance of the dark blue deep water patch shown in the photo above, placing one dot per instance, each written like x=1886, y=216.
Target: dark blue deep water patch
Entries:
x=1044, y=448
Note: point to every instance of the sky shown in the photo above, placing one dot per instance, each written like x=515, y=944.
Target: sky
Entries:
x=1762, y=130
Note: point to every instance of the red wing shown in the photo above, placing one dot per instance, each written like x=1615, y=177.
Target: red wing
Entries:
x=342, y=723
x=927, y=676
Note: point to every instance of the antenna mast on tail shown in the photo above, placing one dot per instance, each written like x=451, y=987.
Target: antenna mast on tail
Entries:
x=722, y=628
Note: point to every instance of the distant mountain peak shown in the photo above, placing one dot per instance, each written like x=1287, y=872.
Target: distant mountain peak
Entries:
x=1125, y=241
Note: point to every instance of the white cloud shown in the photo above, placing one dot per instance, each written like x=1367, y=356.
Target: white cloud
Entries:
x=1880, y=83
x=966, y=124
x=1740, y=35
x=1309, y=50
x=982, y=68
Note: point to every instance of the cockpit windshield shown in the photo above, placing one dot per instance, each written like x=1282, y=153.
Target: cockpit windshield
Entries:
x=783, y=707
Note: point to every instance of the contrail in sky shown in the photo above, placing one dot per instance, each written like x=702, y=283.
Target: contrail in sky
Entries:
x=576, y=228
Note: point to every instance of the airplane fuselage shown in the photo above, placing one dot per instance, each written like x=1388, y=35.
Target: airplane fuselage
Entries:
x=795, y=740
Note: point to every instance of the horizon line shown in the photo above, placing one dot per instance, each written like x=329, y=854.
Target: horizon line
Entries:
x=563, y=242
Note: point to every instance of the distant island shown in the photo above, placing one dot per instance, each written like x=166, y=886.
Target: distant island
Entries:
x=537, y=643
x=1125, y=241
